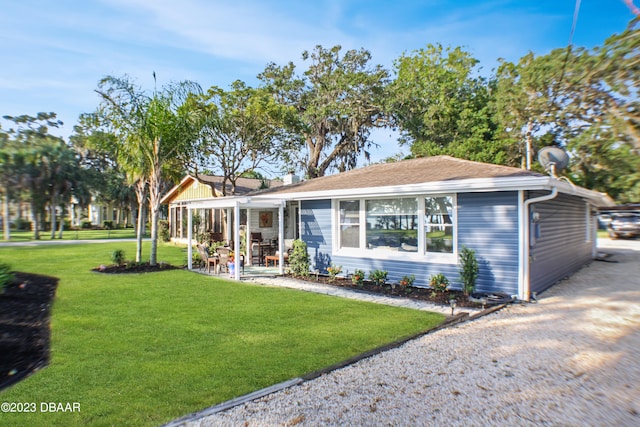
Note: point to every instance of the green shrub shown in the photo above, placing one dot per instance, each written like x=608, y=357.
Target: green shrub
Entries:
x=468, y=270
x=407, y=281
x=22, y=225
x=333, y=271
x=439, y=282
x=299, y=258
x=378, y=277
x=118, y=257
x=6, y=275
x=196, y=259
x=107, y=225
x=86, y=224
x=357, y=278
x=163, y=230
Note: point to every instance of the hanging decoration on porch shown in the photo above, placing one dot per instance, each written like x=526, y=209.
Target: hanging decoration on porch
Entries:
x=266, y=219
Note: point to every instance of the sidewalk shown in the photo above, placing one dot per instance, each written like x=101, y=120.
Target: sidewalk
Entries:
x=64, y=242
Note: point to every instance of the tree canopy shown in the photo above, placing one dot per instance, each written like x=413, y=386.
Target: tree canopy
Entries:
x=441, y=106
x=238, y=131
x=320, y=120
x=338, y=100
x=152, y=133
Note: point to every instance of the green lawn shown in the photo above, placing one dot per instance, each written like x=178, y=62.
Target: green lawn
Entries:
x=147, y=348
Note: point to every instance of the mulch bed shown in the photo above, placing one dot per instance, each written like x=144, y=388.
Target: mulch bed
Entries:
x=135, y=267
x=25, y=310
x=423, y=294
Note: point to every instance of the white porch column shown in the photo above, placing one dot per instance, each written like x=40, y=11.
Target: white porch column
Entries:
x=249, y=254
x=236, y=240
x=229, y=231
x=189, y=239
x=281, y=238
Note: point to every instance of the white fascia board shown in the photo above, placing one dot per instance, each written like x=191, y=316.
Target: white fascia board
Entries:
x=453, y=186
x=457, y=186
x=230, y=202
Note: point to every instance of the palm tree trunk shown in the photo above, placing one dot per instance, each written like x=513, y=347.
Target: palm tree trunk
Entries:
x=35, y=224
x=61, y=223
x=141, y=196
x=52, y=211
x=5, y=218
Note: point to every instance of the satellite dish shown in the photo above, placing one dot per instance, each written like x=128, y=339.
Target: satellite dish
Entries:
x=553, y=159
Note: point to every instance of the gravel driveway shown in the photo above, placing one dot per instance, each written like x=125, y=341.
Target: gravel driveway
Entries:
x=572, y=359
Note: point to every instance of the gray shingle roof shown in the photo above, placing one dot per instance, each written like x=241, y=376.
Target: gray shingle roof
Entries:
x=406, y=172
x=243, y=185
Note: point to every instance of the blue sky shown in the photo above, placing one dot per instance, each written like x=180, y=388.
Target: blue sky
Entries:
x=54, y=52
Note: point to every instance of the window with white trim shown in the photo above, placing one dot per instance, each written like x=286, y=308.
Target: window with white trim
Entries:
x=397, y=227
x=392, y=224
x=438, y=224
x=349, y=213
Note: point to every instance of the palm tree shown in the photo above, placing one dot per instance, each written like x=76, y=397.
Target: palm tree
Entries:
x=151, y=132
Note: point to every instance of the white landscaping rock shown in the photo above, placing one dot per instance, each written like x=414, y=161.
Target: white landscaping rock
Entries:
x=571, y=359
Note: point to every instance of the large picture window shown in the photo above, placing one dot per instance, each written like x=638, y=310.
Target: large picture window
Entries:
x=407, y=226
x=392, y=224
x=438, y=224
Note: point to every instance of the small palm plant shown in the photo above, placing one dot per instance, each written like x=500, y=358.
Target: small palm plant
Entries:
x=118, y=257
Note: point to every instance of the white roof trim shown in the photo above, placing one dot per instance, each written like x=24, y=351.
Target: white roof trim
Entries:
x=473, y=185
x=232, y=201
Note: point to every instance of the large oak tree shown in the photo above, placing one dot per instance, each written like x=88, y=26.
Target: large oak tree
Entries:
x=338, y=100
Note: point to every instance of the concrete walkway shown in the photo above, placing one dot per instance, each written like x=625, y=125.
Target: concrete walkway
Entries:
x=64, y=242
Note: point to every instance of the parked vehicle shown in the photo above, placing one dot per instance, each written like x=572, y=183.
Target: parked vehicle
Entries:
x=624, y=225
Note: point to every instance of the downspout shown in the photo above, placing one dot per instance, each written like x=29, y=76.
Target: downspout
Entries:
x=526, y=221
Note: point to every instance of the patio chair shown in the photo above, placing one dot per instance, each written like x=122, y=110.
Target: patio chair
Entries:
x=224, y=256
x=256, y=239
x=208, y=260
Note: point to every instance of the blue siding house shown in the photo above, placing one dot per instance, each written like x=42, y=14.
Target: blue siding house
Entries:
x=529, y=230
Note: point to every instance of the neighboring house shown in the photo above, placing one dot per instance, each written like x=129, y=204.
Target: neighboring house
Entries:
x=528, y=230
x=213, y=222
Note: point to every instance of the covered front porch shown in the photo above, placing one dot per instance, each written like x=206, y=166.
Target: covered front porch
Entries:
x=258, y=237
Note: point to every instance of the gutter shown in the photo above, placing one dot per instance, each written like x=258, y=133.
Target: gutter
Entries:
x=526, y=248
